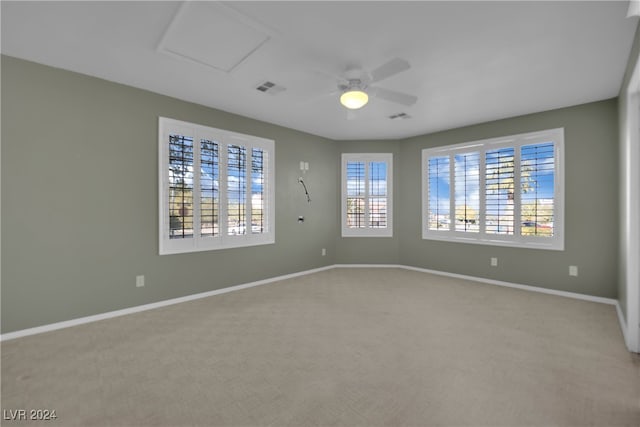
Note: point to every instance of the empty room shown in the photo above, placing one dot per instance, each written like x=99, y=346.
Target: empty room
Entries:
x=298, y=213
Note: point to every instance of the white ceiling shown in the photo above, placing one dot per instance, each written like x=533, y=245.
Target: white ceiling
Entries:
x=471, y=62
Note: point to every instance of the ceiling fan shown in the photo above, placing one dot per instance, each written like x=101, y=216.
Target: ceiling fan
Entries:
x=356, y=86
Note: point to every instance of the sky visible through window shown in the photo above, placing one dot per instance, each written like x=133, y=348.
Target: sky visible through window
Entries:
x=357, y=197
x=217, y=188
x=535, y=190
x=377, y=178
x=210, y=174
x=238, y=168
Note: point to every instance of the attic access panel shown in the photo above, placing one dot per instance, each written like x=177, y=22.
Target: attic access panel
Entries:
x=213, y=35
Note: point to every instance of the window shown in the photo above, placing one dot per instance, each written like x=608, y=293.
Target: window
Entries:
x=503, y=191
x=366, y=195
x=216, y=188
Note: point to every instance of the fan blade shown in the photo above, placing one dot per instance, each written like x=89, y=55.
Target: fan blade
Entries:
x=326, y=75
x=320, y=98
x=395, y=66
x=393, y=96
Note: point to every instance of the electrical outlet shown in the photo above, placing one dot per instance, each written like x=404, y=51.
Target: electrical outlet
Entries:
x=139, y=281
x=573, y=270
x=324, y=252
x=494, y=262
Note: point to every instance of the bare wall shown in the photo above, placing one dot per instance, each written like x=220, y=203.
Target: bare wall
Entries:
x=591, y=206
x=370, y=250
x=79, y=211
x=80, y=199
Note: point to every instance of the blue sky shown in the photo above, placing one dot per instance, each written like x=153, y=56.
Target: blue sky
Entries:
x=236, y=177
x=537, y=159
x=377, y=179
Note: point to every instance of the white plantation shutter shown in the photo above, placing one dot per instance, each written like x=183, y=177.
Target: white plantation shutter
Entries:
x=259, y=160
x=236, y=190
x=467, y=192
x=378, y=196
x=537, y=166
x=502, y=191
x=438, y=193
x=209, y=191
x=216, y=188
x=180, y=176
x=366, y=195
x=356, y=194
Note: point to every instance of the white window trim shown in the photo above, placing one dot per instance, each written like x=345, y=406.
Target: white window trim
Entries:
x=367, y=231
x=222, y=241
x=533, y=242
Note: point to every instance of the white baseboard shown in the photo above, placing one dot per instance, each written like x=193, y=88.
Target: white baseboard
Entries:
x=623, y=324
x=610, y=301
x=368, y=266
x=566, y=294
x=151, y=306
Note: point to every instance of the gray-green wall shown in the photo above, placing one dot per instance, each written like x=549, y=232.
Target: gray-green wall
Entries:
x=591, y=206
x=80, y=199
x=370, y=250
x=80, y=214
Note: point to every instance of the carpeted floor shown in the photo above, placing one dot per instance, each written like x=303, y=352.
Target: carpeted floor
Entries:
x=343, y=347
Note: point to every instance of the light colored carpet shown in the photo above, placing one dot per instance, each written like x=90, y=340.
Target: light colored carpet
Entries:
x=344, y=347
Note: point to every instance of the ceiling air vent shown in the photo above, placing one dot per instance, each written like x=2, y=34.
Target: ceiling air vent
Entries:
x=270, y=88
x=400, y=116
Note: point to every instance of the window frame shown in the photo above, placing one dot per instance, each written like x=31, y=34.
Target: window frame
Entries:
x=224, y=138
x=367, y=231
x=556, y=242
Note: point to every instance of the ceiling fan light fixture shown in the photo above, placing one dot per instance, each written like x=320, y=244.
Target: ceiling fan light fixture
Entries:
x=354, y=99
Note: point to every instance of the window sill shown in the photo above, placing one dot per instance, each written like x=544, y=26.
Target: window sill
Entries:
x=556, y=245
x=228, y=243
x=367, y=233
